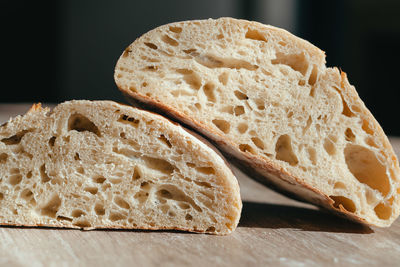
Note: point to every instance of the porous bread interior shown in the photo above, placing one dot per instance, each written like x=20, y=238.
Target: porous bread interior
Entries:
x=268, y=95
x=104, y=165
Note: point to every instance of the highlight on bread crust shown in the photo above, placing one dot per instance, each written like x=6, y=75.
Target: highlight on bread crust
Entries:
x=266, y=97
x=104, y=165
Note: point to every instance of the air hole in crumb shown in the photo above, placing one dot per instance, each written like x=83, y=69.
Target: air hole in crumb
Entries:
x=183, y=205
x=223, y=78
x=29, y=175
x=208, y=89
x=257, y=142
x=350, y=136
x=367, y=127
x=346, y=110
x=171, y=214
x=190, y=51
x=165, y=193
x=212, y=61
x=284, y=150
x=203, y=184
x=115, y=216
x=223, y=125
x=246, y=148
x=339, y=185
x=91, y=190
x=313, y=76
x=63, y=218
x=164, y=140
x=15, y=179
x=99, y=179
x=198, y=106
x=241, y=96
x=3, y=158
x=329, y=147
x=168, y=40
x=80, y=123
x=191, y=165
x=174, y=193
x=51, y=207
x=52, y=140
x=83, y=224
x=76, y=157
x=206, y=170
x=297, y=62
x=366, y=167
x=99, y=209
x=145, y=185
x=211, y=229
x=302, y=82
x=122, y=203
x=1, y=196
x=255, y=35
x=43, y=174
x=15, y=139
x=151, y=45
x=136, y=174
x=26, y=194
x=188, y=217
x=175, y=29
x=80, y=170
x=191, y=78
x=239, y=110
x=115, y=180
x=77, y=213
x=242, y=127
x=371, y=142
x=341, y=202
x=382, y=211
x=152, y=68
x=126, y=52
x=129, y=120
x=160, y=165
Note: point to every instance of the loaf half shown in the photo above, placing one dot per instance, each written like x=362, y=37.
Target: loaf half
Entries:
x=266, y=97
x=105, y=165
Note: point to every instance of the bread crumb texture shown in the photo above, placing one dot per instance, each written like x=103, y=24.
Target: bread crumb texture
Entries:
x=104, y=165
x=267, y=97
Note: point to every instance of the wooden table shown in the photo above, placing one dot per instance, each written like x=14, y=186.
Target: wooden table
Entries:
x=273, y=230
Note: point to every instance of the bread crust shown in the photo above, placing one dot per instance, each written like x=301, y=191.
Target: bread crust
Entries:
x=262, y=168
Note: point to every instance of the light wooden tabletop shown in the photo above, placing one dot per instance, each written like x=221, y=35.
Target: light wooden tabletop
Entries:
x=273, y=230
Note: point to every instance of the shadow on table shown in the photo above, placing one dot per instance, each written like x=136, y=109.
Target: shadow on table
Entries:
x=264, y=215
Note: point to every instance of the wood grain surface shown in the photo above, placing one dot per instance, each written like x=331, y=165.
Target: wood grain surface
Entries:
x=273, y=231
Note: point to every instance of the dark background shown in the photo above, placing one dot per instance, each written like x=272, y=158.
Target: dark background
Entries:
x=60, y=50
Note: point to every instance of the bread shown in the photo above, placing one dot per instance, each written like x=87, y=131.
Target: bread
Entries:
x=266, y=97
x=105, y=165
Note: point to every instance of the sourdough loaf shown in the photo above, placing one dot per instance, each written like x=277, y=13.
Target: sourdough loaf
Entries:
x=105, y=165
x=267, y=98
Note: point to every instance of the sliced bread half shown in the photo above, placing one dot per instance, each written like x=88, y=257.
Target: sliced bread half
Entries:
x=266, y=97
x=105, y=165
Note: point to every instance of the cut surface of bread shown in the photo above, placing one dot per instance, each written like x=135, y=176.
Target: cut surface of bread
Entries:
x=104, y=165
x=266, y=97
